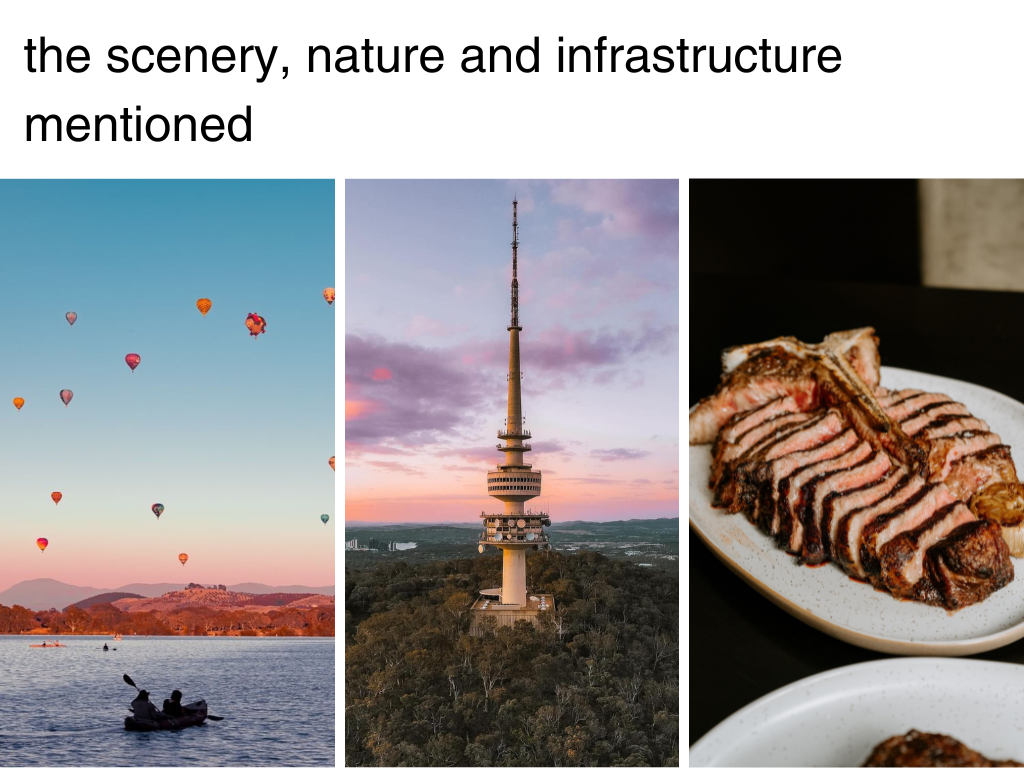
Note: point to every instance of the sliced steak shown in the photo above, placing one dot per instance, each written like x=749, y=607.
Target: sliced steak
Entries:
x=935, y=749
x=840, y=505
x=749, y=474
x=765, y=376
x=725, y=488
x=976, y=472
x=829, y=486
x=794, y=495
x=745, y=421
x=902, y=559
x=950, y=425
x=721, y=469
x=846, y=547
x=929, y=416
x=893, y=397
x=767, y=515
x=906, y=408
x=966, y=566
x=906, y=516
x=944, y=451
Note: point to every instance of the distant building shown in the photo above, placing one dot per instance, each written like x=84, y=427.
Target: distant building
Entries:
x=515, y=529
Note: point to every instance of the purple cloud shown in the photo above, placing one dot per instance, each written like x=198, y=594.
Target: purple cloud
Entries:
x=424, y=396
x=618, y=454
x=394, y=466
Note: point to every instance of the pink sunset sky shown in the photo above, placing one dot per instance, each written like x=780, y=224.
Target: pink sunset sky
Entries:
x=428, y=272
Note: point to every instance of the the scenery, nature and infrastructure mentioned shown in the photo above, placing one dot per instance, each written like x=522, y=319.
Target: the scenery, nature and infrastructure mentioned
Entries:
x=493, y=617
x=167, y=455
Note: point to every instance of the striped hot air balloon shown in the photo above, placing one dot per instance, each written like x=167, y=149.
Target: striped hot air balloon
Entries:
x=203, y=305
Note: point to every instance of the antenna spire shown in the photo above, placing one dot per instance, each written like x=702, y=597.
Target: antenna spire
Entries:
x=515, y=258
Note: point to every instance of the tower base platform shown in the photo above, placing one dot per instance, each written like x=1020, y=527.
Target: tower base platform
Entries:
x=505, y=614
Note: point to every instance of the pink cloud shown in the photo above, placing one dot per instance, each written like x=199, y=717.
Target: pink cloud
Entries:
x=380, y=374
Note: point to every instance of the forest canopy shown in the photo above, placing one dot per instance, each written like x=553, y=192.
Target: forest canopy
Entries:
x=597, y=683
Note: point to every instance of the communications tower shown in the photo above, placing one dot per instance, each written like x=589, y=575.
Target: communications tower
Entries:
x=515, y=529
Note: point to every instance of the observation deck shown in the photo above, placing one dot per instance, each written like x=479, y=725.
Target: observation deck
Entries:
x=524, y=530
x=513, y=483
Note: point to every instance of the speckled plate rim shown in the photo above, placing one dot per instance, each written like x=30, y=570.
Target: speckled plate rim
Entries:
x=712, y=748
x=864, y=640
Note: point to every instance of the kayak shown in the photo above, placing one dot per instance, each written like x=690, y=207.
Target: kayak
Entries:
x=49, y=645
x=195, y=714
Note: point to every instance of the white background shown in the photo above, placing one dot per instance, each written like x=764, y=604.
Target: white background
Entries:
x=925, y=89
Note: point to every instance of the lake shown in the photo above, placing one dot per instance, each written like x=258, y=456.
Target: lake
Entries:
x=66, y=706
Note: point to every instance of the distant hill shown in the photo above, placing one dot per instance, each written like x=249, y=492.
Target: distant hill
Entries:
x=106, y=597
x=42, y=594
x=221, y=599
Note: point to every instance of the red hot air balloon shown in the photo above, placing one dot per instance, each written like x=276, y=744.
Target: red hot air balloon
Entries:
x=56, y=496
x=71, y=317
x=329, y=295
x=133, y=360
x=183, y=558
x=42, y=544
x=65, y=396
x=255, y=324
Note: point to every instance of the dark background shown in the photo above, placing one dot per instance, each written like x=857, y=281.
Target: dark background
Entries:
x=854, y=230
x=776, y=258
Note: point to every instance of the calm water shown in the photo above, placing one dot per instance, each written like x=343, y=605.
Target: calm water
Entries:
x=66, y=706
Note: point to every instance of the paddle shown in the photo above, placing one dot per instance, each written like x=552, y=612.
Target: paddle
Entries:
x=133, y=685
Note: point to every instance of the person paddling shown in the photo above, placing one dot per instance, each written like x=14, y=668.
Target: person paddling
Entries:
x=144, y=709
x=172, y=706
x=105, y=647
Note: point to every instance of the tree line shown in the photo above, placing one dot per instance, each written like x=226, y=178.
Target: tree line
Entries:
x=106, y=619
x=596, y=683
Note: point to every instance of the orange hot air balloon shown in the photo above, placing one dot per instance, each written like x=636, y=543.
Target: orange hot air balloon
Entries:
x=42, y=544
x=203, y=305
x=255, y=324
x=65, y=396
x=329, y=295
x=56, y=496
x=183, y=558
x=331, y=462
x=18, y=402
x=133, y=361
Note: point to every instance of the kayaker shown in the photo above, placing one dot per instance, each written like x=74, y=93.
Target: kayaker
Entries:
x=105, y=647
x=144, y=709
x=172, y=706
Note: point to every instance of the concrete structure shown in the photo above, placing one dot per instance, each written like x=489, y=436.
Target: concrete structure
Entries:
x=515, y=529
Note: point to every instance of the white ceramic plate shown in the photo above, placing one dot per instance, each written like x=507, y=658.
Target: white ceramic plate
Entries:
x=838, y=717
x=854, y=612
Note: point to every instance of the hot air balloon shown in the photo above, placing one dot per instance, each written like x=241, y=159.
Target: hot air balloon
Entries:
x=66, y=395
x=158, y=509
x=183, y=558
x=329, y=295
x=331, y=462
x=133, y=360
x=255, y=324
x=71, y=316
x=203, y=305
x=56, y=496
x=18, y=402
x=42, y=544
x=324, y=519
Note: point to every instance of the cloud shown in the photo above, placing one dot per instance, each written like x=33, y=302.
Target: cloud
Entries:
x=421, y=325
x=459, y=468
x=427, y=395
x=618, y=454
x=486, y=454
x=394, y=466
x=626, y=208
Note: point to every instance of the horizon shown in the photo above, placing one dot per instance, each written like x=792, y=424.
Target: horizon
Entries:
x=555, y=522
x=232, y=434
x=427, y=345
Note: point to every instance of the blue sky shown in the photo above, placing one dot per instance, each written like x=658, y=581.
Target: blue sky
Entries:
x=231, y=434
